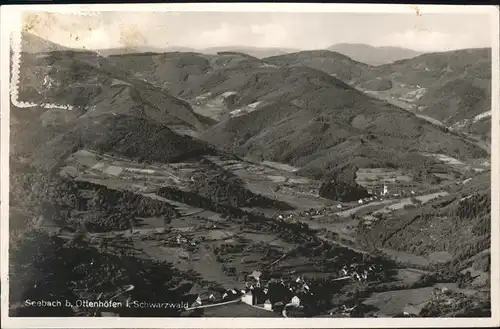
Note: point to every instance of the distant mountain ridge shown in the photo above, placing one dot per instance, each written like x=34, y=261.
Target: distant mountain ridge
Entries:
x=373, y=55
x=358, y=52
x=31, y=43
x=333, y=63
x=303, y=106
x=259, y=52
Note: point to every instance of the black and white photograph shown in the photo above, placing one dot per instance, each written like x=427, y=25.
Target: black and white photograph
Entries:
x=316, y=164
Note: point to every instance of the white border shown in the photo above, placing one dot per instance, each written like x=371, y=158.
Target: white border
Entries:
x=8, y=17
x=16, y=65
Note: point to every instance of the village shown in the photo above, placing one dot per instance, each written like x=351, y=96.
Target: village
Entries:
x=288, y=294
x=376, y=195
x=292, y=296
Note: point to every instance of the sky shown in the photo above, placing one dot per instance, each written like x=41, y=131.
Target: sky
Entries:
x=427, y=32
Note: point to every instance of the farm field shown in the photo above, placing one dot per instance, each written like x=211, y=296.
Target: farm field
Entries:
x=392, y=303
x=210, y=229
x=216, y=230
x=372, y=177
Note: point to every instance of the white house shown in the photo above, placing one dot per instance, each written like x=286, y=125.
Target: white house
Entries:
x=268, y=306
x=247, y=298
x=295, y=301
x=360, y=201
x=445, y=290
x=411, y=309
x=386, y=190
x=181, y=239
x=256, y=275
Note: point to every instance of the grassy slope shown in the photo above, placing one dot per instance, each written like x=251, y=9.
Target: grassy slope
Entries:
x=458, y=224
x=128, y=136
x=87, y=81
x=373, y=55
x=331, y=62
x=314, y=120
x=458, y=84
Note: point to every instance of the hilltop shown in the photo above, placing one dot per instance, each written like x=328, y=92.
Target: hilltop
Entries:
x=427, y=68
x=86, y=81
x=459, y=81
x=259, y=52
x=453, y=87
x=333, y=63
x=373, y=55
x=33, y=44
x=279, y=108
x=293, y=109
x=112, y=111
x=311, y=120
x=178, y=71
x=123, y=135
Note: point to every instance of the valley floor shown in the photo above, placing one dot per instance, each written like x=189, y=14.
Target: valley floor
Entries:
x=193, y=240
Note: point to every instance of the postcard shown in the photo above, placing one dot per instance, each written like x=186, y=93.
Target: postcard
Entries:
x=256, y=165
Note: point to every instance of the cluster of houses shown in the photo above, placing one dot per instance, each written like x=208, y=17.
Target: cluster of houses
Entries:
x=274, y=293
x=319, y=212
x=360, y=273
x=286, y=218
x=374, y=196
x=188, y=242
x=278, y=295
x=258, y=293
x=316, y=212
